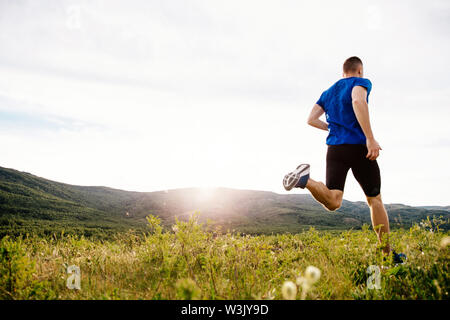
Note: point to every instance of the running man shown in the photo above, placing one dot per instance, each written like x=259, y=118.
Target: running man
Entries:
x=351, y=145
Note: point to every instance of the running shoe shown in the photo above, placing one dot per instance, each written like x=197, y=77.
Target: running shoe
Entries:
x=398, y=258
x=297, y=178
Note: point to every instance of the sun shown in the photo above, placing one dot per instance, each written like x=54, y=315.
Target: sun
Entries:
x=206, y=193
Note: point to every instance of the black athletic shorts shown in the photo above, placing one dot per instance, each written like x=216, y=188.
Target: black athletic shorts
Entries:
x=342, y=157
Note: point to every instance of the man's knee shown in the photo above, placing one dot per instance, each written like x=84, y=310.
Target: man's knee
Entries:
x=371, y=201
x=334, y=206
x=336, y=203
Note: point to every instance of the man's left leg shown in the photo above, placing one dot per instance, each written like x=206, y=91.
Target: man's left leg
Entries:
x=367, y=173
x=380, y=220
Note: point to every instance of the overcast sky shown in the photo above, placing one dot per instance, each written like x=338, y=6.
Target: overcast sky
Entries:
x=154, y=95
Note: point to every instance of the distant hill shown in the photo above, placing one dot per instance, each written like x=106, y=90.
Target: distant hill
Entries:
x=36, y=205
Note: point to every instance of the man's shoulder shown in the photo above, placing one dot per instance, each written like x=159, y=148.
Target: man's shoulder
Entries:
x=346, y=84
x=363, y=82
x=334, y=85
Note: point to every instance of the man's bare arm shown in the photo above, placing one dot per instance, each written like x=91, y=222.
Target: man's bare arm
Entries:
x=361, y=109
x=313, y=119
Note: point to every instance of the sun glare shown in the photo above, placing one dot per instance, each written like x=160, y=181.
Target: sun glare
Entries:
x=206, y=193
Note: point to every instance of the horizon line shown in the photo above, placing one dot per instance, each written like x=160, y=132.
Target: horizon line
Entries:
x=212, y=187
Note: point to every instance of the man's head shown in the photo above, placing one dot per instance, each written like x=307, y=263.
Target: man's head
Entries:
x=353, y=67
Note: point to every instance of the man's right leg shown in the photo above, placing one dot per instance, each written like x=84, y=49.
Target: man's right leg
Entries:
x=330, y=199
x=330, y=195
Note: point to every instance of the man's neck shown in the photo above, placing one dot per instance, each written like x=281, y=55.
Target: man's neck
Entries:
x=350, y=75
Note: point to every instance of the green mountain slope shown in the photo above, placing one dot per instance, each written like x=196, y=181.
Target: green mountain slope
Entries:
x=32, y=204
x=35, y=205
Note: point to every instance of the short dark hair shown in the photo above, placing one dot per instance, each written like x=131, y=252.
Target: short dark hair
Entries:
x=352, y=64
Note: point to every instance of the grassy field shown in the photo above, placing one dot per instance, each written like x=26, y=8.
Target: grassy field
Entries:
x=194, y=262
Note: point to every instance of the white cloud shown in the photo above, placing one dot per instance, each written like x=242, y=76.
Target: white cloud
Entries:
x=162, y=94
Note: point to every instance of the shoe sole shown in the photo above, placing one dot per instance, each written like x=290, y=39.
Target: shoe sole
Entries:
x=291, y=179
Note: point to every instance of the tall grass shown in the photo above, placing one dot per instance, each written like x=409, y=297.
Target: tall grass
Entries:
x=190, y=262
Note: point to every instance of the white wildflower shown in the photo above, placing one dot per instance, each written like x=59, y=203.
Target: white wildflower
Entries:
x=312, y=274
x=303, y=283
x=445, y=242
x=289, y=290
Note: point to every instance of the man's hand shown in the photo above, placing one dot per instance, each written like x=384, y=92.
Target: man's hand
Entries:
x=373, y=149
